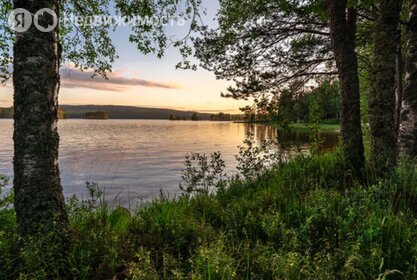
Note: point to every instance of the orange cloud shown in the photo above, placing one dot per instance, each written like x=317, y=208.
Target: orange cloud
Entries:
x=75, y=78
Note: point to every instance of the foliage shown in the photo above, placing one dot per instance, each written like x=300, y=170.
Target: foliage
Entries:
x=89, y=46
x=254, y=160
x=284, y=225
x=222, y=117
x=5, y=42
x=153, y=38
x=314, y=126
x=249, y=113
x=6, y=206
x=266, y=47
x=202, y=174
x=294, y=109
x=8, y=236
x=85, y=46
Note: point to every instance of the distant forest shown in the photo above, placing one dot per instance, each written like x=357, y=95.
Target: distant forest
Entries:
x=125, y=112
x=289, y=108
x=95, y=115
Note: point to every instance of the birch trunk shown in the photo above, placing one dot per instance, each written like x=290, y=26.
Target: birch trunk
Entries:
x=399, y=80
x=382, y=100
x=39, y=200
x=408, y=127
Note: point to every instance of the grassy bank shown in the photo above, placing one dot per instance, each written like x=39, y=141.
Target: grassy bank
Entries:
x=322, y=127
x=295, y=222
x=330, y=126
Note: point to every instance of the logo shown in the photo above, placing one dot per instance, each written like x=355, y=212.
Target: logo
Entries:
x=46, y=20
x=41, y=13
x=20, y=20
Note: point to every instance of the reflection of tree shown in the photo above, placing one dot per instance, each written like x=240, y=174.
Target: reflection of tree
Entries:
x=291, y=140
x=261, y=132
x=249, y=128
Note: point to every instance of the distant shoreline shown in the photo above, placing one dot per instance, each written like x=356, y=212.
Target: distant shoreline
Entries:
x=129, y=112
x=143, y=119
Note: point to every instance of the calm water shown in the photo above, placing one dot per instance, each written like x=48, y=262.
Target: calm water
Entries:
x=137, y=158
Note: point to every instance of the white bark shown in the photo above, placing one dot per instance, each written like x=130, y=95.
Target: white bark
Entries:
x=408, y=127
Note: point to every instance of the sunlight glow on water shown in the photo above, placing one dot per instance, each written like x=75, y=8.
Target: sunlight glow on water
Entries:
x=139, y=157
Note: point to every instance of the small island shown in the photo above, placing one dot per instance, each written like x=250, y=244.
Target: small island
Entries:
x=98, y=115
x=6, y=113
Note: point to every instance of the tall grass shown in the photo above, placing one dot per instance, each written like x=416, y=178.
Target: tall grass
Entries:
x=288, y=224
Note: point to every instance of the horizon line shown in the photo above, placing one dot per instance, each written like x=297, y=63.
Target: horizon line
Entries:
x=181, y=109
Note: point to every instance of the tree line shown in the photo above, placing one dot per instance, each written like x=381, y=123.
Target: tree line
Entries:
x=194, y=117
x=298, y=108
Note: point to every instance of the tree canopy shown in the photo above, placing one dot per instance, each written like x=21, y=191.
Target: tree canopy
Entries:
x=85, y=34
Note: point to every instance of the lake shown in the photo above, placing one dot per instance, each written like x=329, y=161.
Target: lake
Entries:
x=137, y=158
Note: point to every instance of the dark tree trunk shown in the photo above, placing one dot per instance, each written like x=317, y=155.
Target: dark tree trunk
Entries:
x=382, y=100
x=39, y=200
x=408, y=128
x=342, y=22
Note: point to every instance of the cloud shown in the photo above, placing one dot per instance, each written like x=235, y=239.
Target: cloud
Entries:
x=75, y=78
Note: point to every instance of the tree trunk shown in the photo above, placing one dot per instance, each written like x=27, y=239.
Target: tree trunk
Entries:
x=399, y=81
x=342, y=24
x=39, y=200
x=382, y=100
x=408, y=127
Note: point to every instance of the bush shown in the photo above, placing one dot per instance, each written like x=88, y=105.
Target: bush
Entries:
x=202, y=174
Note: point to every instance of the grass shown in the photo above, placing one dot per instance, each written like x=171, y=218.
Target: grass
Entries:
x=322, y=127
x=330, y=125
x=295, y=222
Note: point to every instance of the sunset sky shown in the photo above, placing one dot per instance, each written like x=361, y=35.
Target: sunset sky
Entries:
x=139, y=80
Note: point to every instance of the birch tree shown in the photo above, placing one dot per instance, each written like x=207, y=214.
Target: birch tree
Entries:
x=408, y=127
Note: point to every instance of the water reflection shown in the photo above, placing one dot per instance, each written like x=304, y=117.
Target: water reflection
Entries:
x=292, y=141
x=139, y=157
